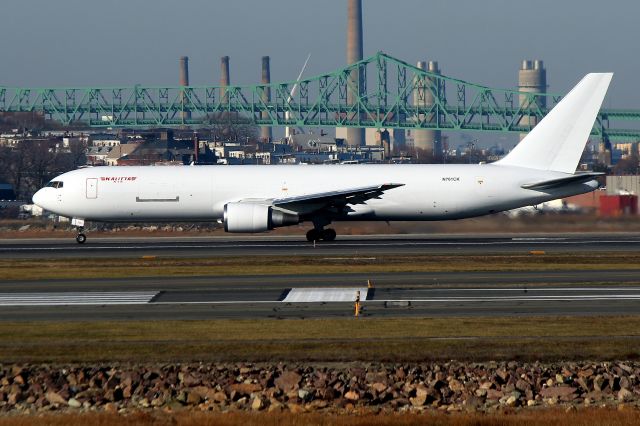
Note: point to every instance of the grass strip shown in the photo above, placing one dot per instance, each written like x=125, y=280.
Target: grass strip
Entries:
x=273, y=265
x=324, y=340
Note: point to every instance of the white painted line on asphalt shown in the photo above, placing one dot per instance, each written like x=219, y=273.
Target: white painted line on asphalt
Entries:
x=538, y=289
x=538, y=239
x=77, y=298
x=301, y=295
x=216, y=302
x=325, y=294
x=516, y=299
x=341, y=295
x=423, y=300
x=348, y=258
x=339, y=245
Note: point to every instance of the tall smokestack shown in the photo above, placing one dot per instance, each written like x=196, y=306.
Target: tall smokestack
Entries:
x=419, y=100
x=354, y=31
x=355, y=136
x=225, y=80
x=434, y=136
x=184, y=82
x=265, y=131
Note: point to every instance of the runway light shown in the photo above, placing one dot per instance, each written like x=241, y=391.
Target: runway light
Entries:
x=537, y=252
x=148, y=257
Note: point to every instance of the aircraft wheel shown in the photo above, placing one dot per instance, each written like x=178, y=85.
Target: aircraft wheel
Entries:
x=313, y=235
x=329, y=234
x=81, y=238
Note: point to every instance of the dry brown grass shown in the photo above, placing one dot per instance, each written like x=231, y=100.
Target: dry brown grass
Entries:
x=324, y=340
x=547, y=417
x=308, y=264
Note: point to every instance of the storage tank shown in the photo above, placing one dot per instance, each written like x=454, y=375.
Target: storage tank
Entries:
x=532, y=78
x=423, y=96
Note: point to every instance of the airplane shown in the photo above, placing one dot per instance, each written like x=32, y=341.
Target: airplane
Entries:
x=260, y=198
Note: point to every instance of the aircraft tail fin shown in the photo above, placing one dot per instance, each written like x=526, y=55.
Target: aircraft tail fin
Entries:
x=557, y=142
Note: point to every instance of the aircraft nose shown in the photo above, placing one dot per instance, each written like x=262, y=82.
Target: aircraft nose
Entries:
x=39, y=198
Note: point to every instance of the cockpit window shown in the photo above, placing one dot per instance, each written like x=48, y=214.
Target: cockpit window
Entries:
x=55, y=184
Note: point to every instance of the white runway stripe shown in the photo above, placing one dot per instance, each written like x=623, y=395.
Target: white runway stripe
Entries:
x=77, y=298
x=326, y=294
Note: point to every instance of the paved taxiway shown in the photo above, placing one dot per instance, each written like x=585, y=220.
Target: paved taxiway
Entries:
x=394, y=294
x=295, y=245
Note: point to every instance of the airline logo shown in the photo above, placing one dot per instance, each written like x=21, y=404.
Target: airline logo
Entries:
x=118, y=178
x=451, y=179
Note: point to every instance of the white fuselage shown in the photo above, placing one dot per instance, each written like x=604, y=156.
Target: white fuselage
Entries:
x=199, y=193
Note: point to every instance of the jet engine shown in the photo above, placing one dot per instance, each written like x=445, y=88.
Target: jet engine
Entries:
x=253, y=217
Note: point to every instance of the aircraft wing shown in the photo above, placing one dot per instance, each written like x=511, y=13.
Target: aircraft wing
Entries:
x=558, y=182
x=339, y=198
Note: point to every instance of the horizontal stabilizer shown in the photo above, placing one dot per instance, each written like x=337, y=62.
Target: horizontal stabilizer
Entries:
x=558, y=182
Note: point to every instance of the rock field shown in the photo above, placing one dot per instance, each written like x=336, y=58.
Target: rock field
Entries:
x=368, y=387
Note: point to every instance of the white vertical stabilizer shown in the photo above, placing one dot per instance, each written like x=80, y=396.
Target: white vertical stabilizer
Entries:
x=557, y=142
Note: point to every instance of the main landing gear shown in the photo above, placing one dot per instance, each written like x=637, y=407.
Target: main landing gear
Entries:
x=81, y=237
x=321, y=234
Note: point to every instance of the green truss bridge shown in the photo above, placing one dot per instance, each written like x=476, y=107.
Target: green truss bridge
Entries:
x=380, y=92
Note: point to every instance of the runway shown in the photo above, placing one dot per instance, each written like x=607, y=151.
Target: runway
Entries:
x=520, y=293
x=466, y=294
x=295, y=245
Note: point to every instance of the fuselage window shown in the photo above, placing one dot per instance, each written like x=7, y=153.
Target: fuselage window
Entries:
x=55, y=184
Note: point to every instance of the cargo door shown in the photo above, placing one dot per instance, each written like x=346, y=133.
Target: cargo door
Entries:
x=158, y=192
x=92, y=188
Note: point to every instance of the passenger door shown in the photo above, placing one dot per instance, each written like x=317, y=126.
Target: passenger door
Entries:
x=92, y=188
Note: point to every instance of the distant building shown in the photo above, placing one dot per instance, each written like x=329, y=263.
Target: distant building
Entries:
x=6, y=192
x=119, y=152
x=157, y=152
x=9, y=139
x=104, y=139
x=263, y=157
x=626, y=150
x=97, y=155
x=624, y=185
x=312, y=141
x=67, y=141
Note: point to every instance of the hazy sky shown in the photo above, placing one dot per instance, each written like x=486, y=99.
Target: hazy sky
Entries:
x=123, y=42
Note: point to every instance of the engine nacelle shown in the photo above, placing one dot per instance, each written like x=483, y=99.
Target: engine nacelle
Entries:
x=253, y=217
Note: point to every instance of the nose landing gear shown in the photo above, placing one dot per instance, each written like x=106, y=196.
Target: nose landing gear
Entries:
x=81, y=237
x=321, y=234
x=79, y=225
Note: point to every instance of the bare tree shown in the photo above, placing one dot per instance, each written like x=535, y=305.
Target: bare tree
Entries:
x=74, y=158
x=627, y=166
x=32, y=163
x=41, y=157
x=232, y=127
x=13, y=165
